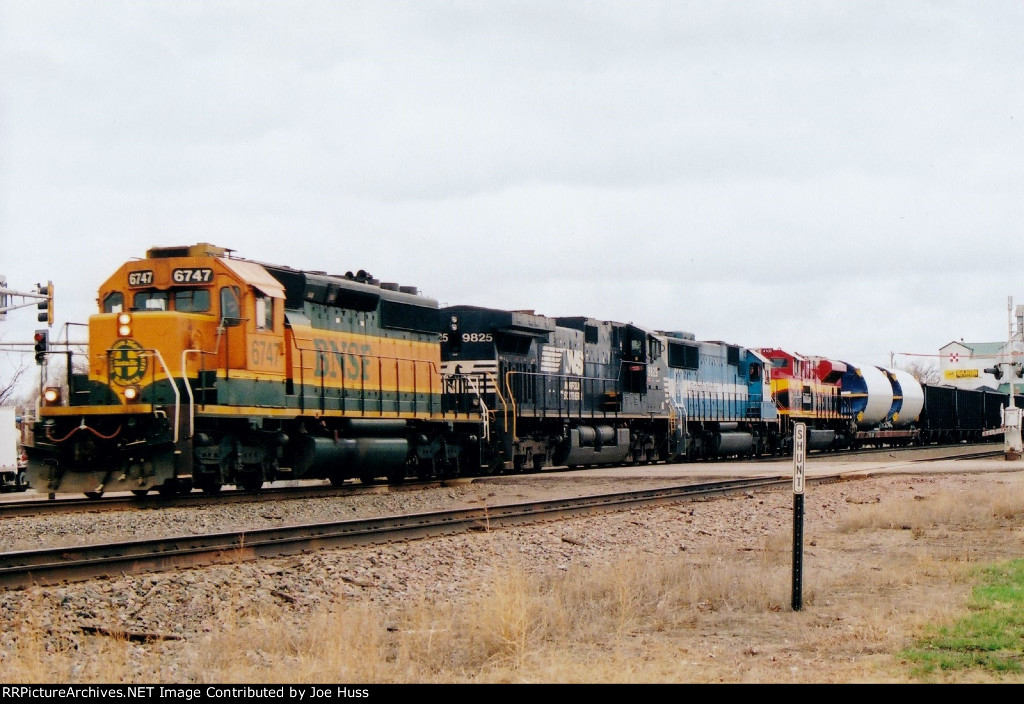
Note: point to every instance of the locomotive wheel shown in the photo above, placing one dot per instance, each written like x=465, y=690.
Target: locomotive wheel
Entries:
x=140, y=492
x=450, y=470
x=490, y=467
x=208, y=486
x=93, y=494
x=336, y=479
x=424, y=469
x=251, y=484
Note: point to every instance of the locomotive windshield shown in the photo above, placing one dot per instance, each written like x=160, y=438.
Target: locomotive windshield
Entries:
x=185, y=300
x=114, y=302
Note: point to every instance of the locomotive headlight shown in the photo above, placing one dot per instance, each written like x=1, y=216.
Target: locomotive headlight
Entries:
x=124, y=328
x=51, y=395
x=131, y=393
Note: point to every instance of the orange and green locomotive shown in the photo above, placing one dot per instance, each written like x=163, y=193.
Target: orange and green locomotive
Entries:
x=204, y=369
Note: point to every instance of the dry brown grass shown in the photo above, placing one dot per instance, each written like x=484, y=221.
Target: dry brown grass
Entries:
x=890, y=568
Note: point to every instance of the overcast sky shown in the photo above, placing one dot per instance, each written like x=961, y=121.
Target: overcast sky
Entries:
x=837, y=178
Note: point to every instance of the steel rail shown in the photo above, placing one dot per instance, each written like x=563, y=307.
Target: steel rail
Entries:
x=25, y=568
x=119, y=502
x=41, y=505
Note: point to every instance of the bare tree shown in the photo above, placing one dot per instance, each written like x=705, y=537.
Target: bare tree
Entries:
x=924, y=372
x=8, y=387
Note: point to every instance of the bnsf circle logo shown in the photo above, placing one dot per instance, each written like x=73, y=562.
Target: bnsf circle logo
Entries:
x=128, y=362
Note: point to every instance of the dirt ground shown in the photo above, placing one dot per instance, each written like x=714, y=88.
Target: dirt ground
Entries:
x=883, y=558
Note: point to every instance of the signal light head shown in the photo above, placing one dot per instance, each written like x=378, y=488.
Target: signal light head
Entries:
x=45, y=314
x=42, y=346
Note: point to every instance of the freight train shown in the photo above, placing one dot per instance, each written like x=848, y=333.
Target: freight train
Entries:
x=205, y=369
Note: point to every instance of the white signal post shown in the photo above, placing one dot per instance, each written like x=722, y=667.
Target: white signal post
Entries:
x=799, y=456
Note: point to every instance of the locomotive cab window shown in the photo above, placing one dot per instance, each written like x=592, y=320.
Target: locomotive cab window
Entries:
x=264, y=312
x=192, y=300
x=151, y=300
x=114, y=302
x=636, y=349
x=230, y=309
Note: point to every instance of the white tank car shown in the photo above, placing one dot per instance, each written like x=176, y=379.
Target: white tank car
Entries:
x=909, y=409
x=868, y=391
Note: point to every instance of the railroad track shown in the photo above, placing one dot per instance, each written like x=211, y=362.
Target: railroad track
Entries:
x=76, y=563
x=19, y=569
x=38, y=504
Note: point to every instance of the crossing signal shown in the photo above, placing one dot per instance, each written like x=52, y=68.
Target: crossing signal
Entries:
x=45, y=314
x=42, y=339
x=994, y=371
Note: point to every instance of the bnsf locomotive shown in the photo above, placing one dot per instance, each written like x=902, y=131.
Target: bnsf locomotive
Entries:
x=205, y=369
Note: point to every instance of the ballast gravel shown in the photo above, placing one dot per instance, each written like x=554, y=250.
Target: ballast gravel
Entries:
x=169, y=612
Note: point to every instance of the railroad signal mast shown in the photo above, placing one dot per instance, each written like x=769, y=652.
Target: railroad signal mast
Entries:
x=1012, y=414
x=42, y=297
x=1011, y=365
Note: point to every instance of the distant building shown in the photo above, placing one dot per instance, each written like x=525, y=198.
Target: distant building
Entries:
x=963, y=364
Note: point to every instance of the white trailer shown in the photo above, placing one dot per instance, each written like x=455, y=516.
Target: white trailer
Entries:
x=12, y=478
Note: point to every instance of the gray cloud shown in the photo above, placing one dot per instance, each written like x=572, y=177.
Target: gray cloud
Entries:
x=839, y=178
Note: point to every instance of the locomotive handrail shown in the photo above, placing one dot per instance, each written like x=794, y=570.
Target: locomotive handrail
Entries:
x=188, y=388
x=362, y=358
x=545, y=376
x=177, y=394
x=471, y=382
x=188, y=384
x=170, y=377
x=512, y=404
